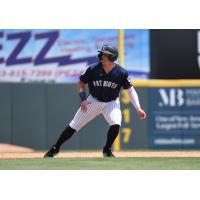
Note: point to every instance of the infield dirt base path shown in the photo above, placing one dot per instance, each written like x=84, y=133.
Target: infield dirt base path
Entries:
x=12, y=151
x=99, y=154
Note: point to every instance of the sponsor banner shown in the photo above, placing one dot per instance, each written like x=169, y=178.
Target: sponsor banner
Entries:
x=175, y=117
x=61, y=56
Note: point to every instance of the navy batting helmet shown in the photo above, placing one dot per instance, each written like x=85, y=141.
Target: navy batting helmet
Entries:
x=110, y=50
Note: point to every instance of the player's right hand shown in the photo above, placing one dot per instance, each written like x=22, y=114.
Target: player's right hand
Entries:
x=141, y=113
x=84, y=105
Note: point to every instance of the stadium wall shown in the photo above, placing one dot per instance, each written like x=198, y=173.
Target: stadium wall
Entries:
x=33, y=115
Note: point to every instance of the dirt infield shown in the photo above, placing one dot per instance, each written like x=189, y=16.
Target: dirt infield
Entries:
x=99, y=154
x=13, y=148
x=11, y=151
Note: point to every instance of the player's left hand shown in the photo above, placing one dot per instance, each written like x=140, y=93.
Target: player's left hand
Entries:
x=141, y=113
x=84, y=105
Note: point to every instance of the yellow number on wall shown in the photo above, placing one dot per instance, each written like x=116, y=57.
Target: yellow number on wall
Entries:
x=127, y=133
x=125, y=97
x=126, y=114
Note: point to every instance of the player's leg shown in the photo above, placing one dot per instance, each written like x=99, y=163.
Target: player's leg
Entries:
x=113, y=116
x=80, y=119
x=65, y=135
x=111, y=136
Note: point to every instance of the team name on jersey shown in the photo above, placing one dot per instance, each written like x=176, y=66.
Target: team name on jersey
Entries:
x=100, y=83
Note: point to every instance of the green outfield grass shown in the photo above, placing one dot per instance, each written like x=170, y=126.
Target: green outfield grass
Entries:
x=101, y=164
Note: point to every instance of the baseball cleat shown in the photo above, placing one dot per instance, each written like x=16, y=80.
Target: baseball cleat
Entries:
x=52, y=152
x=108, y=153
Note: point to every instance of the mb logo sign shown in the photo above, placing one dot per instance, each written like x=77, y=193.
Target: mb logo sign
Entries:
x=171, y=97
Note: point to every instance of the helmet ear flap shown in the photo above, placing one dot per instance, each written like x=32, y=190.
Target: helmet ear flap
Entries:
x=112, y=58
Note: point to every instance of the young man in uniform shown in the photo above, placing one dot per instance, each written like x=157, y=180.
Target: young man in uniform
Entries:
x=104, y=80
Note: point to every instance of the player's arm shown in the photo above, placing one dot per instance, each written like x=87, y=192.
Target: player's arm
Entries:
x=133, y=96
x=83, y=80
x=82, y=95
x=81, y=87
x=136, y=103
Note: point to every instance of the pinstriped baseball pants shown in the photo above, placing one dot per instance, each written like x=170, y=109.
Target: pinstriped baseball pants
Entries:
x=110, y=110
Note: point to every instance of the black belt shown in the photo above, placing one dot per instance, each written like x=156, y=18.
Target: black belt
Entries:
x=103, y=101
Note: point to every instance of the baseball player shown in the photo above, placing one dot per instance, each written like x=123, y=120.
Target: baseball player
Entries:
x=104, y=80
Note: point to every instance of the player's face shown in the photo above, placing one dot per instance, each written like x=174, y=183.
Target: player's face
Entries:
x=104, y=59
